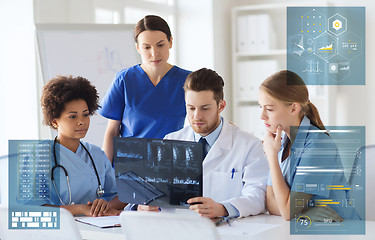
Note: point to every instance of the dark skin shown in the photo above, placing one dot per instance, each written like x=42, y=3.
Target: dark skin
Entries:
x=72, y=125
x=88, y=210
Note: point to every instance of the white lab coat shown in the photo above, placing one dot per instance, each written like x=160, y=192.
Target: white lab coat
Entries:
x=239, y=150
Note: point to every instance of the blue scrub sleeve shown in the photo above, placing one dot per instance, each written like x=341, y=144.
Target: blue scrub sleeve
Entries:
x=113, y=103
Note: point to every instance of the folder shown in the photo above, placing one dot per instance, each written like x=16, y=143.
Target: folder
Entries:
x=255, y=33
x=242, y=36
x=265, y=33
x=252, y=31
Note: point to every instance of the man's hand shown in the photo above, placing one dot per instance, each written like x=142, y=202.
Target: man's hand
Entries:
x=207, y=207
x=112, y=212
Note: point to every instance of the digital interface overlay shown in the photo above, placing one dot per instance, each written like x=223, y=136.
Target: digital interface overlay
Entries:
x=332, y=170
x=326, y=45
x=30, y=185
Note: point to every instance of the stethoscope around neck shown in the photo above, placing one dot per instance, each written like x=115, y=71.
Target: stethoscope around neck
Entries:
x=99, y=191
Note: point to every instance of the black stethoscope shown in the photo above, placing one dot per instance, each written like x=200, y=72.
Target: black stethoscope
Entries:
x=99, y=191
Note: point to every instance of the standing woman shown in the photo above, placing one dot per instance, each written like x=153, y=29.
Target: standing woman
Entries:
x=146, y=100
x=284, y=100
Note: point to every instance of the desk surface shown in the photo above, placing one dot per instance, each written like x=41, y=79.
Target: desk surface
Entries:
x=253, y=227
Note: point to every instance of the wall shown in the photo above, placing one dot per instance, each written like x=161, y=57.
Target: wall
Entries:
x=17, y=73
x=70, y=11
x=355, y=103
x=17, y=80
x=222, y=45
x=194, y=39
x=203, y=39
x=368, y=106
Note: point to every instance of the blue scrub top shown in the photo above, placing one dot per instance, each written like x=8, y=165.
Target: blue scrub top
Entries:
x=82, y=177
x=314, y=165
x=145, y=110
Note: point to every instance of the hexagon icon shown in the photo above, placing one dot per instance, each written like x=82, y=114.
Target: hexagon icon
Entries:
x=313, y=23
x=338, y=68
x=301, y=46
x=325, y=46
x=349, y=45
x=337, y=24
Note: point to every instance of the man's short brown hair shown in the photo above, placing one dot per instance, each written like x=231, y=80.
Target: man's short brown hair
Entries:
x=206, y=80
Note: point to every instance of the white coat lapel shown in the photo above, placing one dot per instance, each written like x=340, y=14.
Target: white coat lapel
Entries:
x=222, y=144
x=190, y=134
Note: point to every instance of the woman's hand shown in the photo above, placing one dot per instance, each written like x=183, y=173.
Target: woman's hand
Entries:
x=272, y=143
x=98, y=208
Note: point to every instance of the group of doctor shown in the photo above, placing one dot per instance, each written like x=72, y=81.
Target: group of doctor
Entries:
x=151, y=100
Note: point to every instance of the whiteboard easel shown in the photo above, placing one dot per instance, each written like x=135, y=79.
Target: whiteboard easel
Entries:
x=94, y=51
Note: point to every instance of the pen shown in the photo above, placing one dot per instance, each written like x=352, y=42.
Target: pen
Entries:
x=233, y=173
x=222, y=219
x=228, y=222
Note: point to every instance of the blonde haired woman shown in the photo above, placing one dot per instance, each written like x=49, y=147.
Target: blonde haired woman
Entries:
x=288, y=115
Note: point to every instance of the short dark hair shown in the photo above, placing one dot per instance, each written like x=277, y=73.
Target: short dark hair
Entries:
x=153, y=23
x=64, y=89
x=205, y=79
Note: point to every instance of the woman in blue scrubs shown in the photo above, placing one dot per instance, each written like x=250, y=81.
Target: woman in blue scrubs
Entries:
x=83, y=180
x=295, y=142
x=146, y=100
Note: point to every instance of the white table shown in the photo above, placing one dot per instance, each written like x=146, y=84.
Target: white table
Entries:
x=254, y=227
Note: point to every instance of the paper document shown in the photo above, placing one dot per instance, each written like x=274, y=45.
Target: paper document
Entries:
x=102, y=222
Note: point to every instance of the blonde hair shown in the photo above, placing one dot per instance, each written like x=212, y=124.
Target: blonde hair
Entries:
x=288, y=87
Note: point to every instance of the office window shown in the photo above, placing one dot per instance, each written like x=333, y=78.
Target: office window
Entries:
x=106, y=16
x=132, y=15
x=131, y=11
x=166, y=2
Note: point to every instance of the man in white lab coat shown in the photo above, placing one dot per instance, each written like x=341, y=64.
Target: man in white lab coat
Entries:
x=235, y=169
